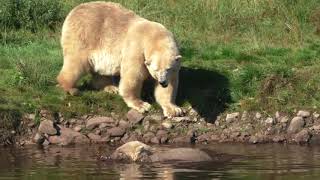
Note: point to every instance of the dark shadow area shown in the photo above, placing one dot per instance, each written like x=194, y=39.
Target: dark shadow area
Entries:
x=207, y=91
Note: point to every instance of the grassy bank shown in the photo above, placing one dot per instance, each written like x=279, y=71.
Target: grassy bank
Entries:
x=249, y=55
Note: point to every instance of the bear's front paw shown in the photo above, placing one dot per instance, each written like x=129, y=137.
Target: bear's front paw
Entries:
x=172, y=111
x=141, y=106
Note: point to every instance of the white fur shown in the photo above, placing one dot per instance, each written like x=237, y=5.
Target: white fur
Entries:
x=104, y=63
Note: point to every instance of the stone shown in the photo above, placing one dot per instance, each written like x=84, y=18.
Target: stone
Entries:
x=315, y=139
x=258, y=115
x=277, y=115
x=132, y=151
x=315, y=128
x=232, y=117
x=134, y=117
x=182, y=139
x=279, y=139
x=116, y=132
x=296, y=124
x=244, y=116
x=270, y=121
x=124, y=124
x=303, y=114
x=316, y=115
x=148, y=136
x=203, y=138
x=155, y=140
x=155, y=117
x=180, y=154
x=103, y=125
x=95, y=138
x=38, y=138
x=164, y=140
x=78, y=128
x=181, y=119
x=167, y=124
x=255, y=139
x=284, y=119
x=302, y=137
x=68, y=136
x=161, y=133
x=96, y=121
x=47, y=127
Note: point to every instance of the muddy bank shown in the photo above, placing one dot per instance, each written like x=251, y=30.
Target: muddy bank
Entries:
x=303, y=127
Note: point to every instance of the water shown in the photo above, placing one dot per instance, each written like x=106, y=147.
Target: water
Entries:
x=232, y=161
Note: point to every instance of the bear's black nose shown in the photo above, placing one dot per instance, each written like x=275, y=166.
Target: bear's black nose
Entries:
x=163, y=83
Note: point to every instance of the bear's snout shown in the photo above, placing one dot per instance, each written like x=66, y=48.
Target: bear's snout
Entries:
x=163, y=83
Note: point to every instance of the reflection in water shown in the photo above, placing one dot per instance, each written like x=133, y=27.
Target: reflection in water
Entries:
x=231, y=161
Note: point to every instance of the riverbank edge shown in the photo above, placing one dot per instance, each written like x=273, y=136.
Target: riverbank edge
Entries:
x=49, y=128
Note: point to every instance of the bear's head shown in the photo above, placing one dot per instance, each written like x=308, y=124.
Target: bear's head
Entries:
x=163, y=62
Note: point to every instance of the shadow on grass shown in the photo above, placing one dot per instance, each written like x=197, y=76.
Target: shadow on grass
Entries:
x=207, y=91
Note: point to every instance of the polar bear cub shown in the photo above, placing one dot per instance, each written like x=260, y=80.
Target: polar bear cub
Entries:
x=107, y=40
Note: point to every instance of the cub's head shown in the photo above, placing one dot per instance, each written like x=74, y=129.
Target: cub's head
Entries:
x=162, y=65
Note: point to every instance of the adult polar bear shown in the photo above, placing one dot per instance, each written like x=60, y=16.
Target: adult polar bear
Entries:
x=105, y=39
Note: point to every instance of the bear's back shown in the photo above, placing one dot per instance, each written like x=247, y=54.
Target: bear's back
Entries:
x=96, y=24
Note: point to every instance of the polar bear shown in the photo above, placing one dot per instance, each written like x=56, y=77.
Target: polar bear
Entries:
x=107, y=40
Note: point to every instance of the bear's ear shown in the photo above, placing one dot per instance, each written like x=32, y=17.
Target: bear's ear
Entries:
x=178, y=57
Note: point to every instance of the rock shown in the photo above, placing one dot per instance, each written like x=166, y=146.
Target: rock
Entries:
x=316, y=115
x=167, y=124
x=182, y=139
x=155, y=140
x=244, y=116
x=284, y=119
x=124, y=124
x=203, y=138
x=315, y=139
x=277, y=115
x=67, y=137
x=315, y=128
x=302, y=137
x=138, y=152
x=181, y=119
x=98, y=139
x=103, y=125
x=47, y=127
x=38, y=138
x=46, y=143
x=296, y=124
x=161, y=133
x=133, y=151
x=148, y=136
x=181, y=154
x=78, y=128
x=255, y=139
x=116, y=132
x=134, y=117
x=232, y=117
x=303, y=114
x=96, y=121
x=279, y=138
x=270, y=121
x=258, y=115
x=155, y=117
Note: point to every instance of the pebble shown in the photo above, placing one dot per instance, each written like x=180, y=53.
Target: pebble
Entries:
x=232, y=117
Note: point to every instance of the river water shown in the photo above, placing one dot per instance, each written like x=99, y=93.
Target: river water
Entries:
x=232, y=161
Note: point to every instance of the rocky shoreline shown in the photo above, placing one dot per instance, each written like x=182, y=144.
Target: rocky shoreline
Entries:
x=245, y=127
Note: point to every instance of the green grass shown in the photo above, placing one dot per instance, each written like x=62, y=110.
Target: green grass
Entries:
x=249, y=55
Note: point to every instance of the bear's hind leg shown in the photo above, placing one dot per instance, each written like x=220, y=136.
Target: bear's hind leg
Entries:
x=107, y=83
x=70, y=73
